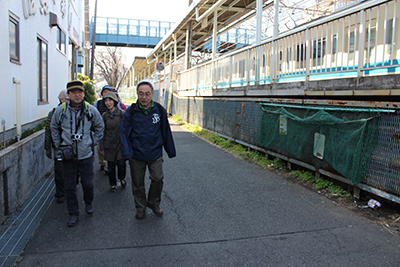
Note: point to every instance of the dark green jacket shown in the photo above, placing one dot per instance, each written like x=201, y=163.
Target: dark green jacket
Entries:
x=48, y=141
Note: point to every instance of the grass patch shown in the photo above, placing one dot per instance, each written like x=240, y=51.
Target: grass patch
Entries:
x=321, y=183
x=177, y=118
x=304, y=176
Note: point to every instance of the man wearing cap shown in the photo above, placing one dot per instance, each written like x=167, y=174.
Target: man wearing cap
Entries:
x=48, y=144
x=144, y=132
x=101, y=107
x=76, y=128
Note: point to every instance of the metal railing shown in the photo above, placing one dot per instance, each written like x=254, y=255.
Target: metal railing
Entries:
x=131, y=27
x=356, y=42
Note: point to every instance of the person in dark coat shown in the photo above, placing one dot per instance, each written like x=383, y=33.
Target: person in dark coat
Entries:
x=144, y=132
x=110, y=144
x=101, y=107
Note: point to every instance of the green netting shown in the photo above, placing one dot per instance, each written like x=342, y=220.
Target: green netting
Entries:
x=345, y=140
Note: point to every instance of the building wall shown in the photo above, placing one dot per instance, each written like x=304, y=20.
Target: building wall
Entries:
x=33, y=24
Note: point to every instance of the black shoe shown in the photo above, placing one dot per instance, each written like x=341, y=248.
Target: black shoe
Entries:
x=113, y=188
x=123, y=183
x=73, y=220
x=89, y=209
x=60, y=199
x=140, y=214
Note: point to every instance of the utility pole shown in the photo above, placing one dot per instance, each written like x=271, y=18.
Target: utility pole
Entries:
x=93, y=41
x=86, y=46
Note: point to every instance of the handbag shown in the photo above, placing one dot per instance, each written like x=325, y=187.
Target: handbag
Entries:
x=64, y=153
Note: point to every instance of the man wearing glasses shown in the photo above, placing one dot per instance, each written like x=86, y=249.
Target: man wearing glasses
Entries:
x=144, y=131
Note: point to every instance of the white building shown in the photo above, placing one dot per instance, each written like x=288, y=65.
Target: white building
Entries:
x=38, y=57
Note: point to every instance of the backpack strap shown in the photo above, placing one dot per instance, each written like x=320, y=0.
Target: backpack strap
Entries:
x=88, y=111
x=63, y=110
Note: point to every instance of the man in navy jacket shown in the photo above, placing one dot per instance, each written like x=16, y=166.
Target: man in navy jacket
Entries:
x=144, y=132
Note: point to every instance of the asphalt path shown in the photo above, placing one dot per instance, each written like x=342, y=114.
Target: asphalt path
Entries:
x=219, y=210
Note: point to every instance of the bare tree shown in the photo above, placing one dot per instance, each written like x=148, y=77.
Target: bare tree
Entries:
x=109, y=64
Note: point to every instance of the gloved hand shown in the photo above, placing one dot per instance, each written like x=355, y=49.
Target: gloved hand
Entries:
x=48, y=153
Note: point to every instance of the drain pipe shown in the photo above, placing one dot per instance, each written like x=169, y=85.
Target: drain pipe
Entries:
x=17, y=86
x=3, y=123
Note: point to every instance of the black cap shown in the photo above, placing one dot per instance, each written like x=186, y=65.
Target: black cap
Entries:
x=75, y=85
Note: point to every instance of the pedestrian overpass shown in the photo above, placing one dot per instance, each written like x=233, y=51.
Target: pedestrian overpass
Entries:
x=129, y=32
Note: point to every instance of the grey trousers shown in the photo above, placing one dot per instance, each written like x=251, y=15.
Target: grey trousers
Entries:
x=138, y=172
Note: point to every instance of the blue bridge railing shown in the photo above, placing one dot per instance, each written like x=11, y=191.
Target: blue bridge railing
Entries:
x=129, y=32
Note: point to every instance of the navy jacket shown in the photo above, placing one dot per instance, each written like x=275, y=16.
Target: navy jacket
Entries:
x=143, y=136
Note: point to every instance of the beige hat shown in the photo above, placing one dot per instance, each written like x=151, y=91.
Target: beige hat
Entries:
x=111, y=95
x=63, y=95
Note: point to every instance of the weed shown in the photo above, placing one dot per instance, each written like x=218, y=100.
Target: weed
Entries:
x=277, y=163
x=193, y=128
x=177, y=118
x=322, y=184
x=303, y=176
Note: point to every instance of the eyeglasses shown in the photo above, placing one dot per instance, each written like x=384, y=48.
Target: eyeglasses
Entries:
x=147, y=94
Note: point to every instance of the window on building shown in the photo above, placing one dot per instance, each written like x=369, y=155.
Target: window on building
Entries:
x=61, y=41
x=42, y=79
x=14, y=39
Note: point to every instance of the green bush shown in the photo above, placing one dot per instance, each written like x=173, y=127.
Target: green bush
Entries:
x=90, y=94
x=38, y=127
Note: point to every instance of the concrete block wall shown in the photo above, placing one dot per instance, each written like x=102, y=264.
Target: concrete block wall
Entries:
x=22, y=166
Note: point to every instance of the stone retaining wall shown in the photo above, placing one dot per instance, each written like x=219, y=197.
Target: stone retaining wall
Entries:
x=22, y=166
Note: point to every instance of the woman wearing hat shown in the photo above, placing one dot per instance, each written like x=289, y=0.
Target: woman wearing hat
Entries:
x=110, y=144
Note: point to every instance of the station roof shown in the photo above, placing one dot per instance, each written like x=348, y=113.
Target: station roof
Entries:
x=201, y=15
x=229, y=14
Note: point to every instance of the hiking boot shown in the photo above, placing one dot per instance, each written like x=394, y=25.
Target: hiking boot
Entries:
x=113, y=188
x=123, y=183
x=140, y=214
x=89, y=209
x=156, y=210
x=73, y=220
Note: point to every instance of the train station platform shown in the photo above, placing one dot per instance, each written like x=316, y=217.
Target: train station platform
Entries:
x=219, y=210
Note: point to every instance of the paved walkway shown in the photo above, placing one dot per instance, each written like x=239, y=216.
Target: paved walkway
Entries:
x=218, y=211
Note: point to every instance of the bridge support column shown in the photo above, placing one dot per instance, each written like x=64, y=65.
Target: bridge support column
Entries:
x=188, y=50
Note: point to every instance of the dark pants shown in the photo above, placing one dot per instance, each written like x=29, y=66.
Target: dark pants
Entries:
x=58, y=178
x=85, y=168
x=111, y=171
x=138, y=171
